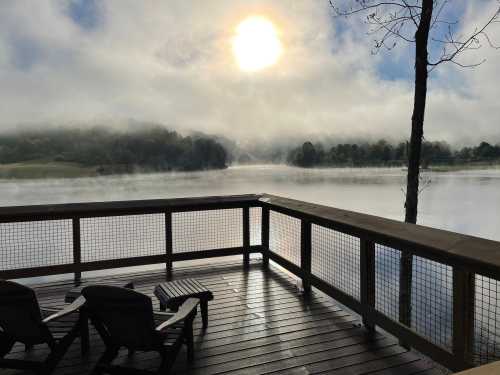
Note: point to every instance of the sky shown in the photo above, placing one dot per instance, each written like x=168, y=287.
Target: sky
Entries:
x=85, y=63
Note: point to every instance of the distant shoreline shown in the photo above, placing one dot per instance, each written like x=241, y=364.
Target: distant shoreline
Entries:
x=53, y=169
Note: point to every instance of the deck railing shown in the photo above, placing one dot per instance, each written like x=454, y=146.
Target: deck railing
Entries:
x=436, y=291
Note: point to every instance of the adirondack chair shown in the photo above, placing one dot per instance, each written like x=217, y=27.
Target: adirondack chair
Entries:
x=124, y=318
x=22, y=320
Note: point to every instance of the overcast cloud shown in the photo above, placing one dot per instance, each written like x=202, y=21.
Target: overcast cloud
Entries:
x=88, y=62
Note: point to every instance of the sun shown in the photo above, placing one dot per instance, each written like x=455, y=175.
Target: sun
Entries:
x=256, y=44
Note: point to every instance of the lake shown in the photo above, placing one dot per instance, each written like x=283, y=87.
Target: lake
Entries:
x=463, y=201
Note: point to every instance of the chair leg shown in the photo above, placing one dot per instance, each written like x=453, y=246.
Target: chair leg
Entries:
x=188, y=337
x=106, y=359
x=58, y=351
x=84, y=331
x=5, y=344
x=204, y=312
x=189, y=344
x=166, y=363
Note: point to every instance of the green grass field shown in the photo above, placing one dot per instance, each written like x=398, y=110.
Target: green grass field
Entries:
x=45, y=169
x=465, y=167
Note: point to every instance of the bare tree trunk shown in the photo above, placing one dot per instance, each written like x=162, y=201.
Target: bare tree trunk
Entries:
x=417, y=132
x=417, y=119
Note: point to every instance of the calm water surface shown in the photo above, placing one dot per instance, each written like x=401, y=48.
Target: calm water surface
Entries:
x=464, y=201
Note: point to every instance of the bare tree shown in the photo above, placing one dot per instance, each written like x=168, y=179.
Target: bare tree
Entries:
x=420, y=23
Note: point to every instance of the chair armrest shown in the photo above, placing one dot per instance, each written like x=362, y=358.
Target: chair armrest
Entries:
x=77, y=304
x=49, y=309
x=163, y=314
x=186, y=309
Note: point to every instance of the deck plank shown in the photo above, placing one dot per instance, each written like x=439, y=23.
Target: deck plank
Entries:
x=259, y=323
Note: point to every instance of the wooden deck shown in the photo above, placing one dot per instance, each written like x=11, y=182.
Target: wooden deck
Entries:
x=258, y=324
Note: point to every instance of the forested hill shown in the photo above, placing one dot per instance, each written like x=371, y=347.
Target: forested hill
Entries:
x=382, y=153
x=151, y=148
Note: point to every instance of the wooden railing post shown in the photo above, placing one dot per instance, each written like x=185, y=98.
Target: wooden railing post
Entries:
x=405, y=281
x=168, y=244
x=463, y=317
x=305, y=255
x=246, y=237
x=265, y=236
x=77, y=250
x=367, y=282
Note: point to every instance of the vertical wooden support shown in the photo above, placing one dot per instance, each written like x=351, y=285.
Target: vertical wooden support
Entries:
x=168, y=244
x=405, y=281
x=265, y=236
x=77, y=251
x=305, y=255
x=246, y=237
x=463, y=317
x=367, y=282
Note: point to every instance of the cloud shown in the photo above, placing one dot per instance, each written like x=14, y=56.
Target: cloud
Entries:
x=170, y=62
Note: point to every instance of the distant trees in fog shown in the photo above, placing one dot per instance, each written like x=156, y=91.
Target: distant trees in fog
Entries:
x=383, y=153
x=151, y=148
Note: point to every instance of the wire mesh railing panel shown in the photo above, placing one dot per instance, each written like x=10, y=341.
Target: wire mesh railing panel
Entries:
x=255, y=226
x=207, y=230
x=486, y=320
x=432, y=301
x=335, y=259
x=387, y=262
x=284, y=236
x=32, y=244
x=118, y=237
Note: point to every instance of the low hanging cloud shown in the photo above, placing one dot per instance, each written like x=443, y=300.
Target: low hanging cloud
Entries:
x=107, y=62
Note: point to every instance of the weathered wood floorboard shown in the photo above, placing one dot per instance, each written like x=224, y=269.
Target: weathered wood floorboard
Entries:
x=259, y=323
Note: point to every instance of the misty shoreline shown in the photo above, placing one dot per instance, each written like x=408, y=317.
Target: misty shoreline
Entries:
x=36, y=170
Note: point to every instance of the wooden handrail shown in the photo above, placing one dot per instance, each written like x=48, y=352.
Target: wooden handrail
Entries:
x=116, y=208
x=478, y=254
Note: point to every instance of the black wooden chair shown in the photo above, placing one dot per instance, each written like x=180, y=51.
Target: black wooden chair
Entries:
x=124, y=318
x=23, y=321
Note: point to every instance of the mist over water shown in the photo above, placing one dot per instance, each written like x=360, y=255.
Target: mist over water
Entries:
x=463, y=201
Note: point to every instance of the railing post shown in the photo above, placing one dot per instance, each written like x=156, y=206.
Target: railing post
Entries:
x=463, y=317
x=367, y=282
x=405, y=281
x=265, y=236
x=168, y=244
x=77, y=250
x=246, y=237
x=305, y=255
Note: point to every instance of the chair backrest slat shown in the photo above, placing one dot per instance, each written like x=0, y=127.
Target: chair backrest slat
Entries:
x=123, y=316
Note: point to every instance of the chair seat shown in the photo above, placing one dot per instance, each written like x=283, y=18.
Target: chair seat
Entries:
x=60, y=327
x=172, y=335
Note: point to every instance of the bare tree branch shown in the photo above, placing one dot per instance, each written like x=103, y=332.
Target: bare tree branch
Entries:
x=459, y=46
x=392, y=20
x=364, y=5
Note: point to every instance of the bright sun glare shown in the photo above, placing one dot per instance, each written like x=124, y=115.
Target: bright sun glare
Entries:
x=256, y=44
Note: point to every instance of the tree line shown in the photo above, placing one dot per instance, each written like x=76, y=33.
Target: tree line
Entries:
x=151, y=148
x=383, y=153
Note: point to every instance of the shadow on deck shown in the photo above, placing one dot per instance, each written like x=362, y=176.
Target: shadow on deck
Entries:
x=258, y=324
